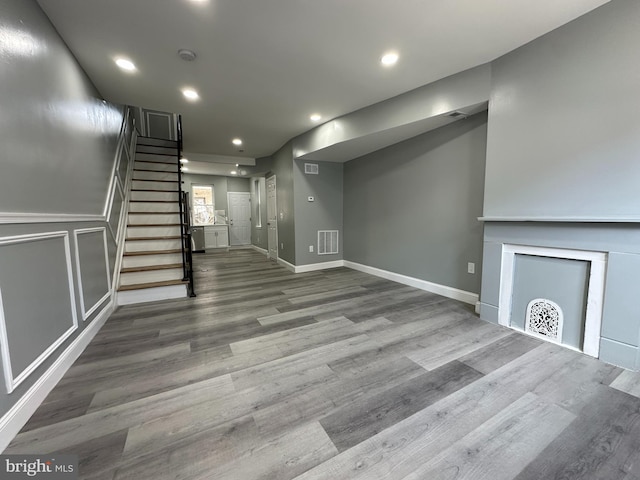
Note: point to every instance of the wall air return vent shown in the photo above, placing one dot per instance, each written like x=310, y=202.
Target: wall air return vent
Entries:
x=311, y=168
x=544, y=319
x=327, y=242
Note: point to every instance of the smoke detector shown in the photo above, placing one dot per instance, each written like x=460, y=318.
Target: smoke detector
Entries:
x=187, y=55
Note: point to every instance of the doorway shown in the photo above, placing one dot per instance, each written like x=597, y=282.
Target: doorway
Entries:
x=272, y=218
x=239, y=218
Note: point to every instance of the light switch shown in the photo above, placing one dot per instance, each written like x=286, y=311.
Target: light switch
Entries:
x=471, y=267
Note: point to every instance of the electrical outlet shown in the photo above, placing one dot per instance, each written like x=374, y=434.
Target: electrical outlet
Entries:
x=310, y=248
x=471, y=267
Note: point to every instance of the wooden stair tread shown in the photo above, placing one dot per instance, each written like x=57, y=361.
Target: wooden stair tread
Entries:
x=152, y=252
x=141, y=239
x=140, y=286
x=148, y=180
x=155, y=171
x=153, y=190
x=155, y=161
x=137, y=225
x=155, y=212
x=150, y=268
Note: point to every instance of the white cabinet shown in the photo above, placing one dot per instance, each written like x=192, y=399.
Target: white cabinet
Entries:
x=216, y=236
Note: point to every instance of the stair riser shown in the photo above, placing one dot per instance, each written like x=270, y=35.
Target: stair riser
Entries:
x=147, y=185
x=155, y=175
x=136, y=232
x=158, y=142
x=159, y=167
x=153, y=219
x=151, y=276
x=168, y=151
x=173, y=196
x=154, y=207
x=157, y=158
x=150, y=245
x=148, y=260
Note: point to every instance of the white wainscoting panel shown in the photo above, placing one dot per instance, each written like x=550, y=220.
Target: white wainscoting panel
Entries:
x=11, y=380
x=86, y=313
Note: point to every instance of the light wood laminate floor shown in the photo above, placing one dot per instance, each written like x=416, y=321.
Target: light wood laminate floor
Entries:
x=326, y=376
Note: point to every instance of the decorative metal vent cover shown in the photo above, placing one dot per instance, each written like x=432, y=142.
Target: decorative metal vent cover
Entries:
x=327, y=242
x=311, y=168
x=544, y=319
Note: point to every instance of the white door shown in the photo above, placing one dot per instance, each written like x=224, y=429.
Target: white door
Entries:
x=272, y=218
x=239, y=218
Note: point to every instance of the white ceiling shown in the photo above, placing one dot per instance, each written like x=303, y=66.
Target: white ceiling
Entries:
x=264, y=66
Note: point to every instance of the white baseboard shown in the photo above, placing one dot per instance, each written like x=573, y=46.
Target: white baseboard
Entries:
x=287, y=265
x=260, y=250
x=16, y=418
x=319, y=266
x=132, y=297
x=449, y=292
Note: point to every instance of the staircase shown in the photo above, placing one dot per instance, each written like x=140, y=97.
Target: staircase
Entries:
x=152, y=263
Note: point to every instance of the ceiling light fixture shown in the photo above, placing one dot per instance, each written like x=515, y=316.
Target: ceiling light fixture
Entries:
x=236, y=141
x=125, y=64
x=389, y=59
x=316, y=117
x=184, y=169
x=187, y=55
x=184, y=160
x=233, y=172
x=190, y=94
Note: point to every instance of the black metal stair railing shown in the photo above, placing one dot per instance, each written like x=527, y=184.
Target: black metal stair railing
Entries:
x=185, y=220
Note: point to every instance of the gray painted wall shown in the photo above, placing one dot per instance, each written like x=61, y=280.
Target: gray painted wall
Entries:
x=412, y=208
x=46, y=96
x=259, y=234
x=563, y=142
x=59, y=148
x=324, y=213
x=281, y=165
x=563, y=137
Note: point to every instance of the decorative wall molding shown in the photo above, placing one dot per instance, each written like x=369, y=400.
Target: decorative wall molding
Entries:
x=626, y=219
x=444, y=290
x=12, y=422
x=116, y=189
x=12, y=381
x=21, y=217
x=595, y=290
x=83, y=231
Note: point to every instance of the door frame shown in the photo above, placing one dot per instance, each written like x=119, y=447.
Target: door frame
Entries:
x=248, y=196
x=275, y=188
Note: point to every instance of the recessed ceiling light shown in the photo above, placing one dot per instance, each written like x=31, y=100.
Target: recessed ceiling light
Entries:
x=389, y=59
x=237, y=165
x=236, y=141
x=184, y=160
x=125, y=64
x=316, y=117
x=190, y=94
x=233, y=172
